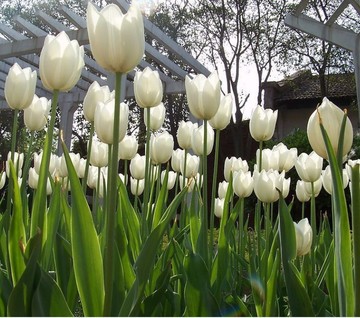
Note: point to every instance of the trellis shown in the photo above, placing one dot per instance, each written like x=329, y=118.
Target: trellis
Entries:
x=15, y=46
x=332, y=32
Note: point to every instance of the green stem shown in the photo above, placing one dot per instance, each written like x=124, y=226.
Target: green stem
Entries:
x=260, y=155
x=112, y=203
x=213, y=190
x=39, y=207
x=84, y=181
x=204, y=209
x=313, y=212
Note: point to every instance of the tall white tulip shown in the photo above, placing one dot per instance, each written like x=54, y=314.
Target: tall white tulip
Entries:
x=223, y=116
x=304, y=236
x=184, y=134
x=309, y=167
x=301, y=193
x=190, y=182
x=2, y=179
x=197, y=140
x=117, y=40
x=203, y=95
x=54, y=162
x=128, y=147
x=219, y=207
x=176, y=159
x=94, y=94
x=157, y=116
x=222, y=189
x=161, y=147
x=269, y=159
x=61, y=62
x=234, y=164
x=137, y=186
x=287, y=157
x=192, y=165
x=262, y=123
x=137, y=167
x=36, y=115
x=20, y=87
x=327, y=180
x=171, y=179
x=99, y=154
x=331, y=117
x=148, y=88
x=315, y=187
x=266, y=185
x=104, y=120
x=18, y=163
x=243, y=184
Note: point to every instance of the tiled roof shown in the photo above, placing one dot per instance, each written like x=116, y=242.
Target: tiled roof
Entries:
x=307, y=86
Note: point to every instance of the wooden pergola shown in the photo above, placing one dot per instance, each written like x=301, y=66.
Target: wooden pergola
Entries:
x=331, y=31
x=16, y=47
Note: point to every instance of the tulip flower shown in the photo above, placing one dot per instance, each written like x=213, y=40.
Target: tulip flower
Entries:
x=2, y=180
x=137, y=186
x=184, y=134
x=328, y=182
x=128, y=147
x=94, y=94
x=104, y=120
x=304, y=235
x=137, y=167
x=20, y=87
x=270, y=159
x=349, y=165
x=35, y=116
x=267, y=185
x=18, y=163
x=33, y=181
x=243, y=184
x=287, y=157
x=309, y=167
x=92, y=177
x=301, y=193
x=61, y=62
x=161, y=147
x=148, y=88
x=54, y=162
x=234, y=164
x=117, y=40
x=192, y=165
x=62, y=169
x=176, y=159
x=81, y=168
x=99, y=154
x=190, y=182
x=101, y=185
x=219, y=207
x=203, y=95
x=157, y=116
x=317, y=185
x=197, y=140
x=262, y=123
x=331, y=117
x=222, y=117
x=222, y=189
x=171, y=179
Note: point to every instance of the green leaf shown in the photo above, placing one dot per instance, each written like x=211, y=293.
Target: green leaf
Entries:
x=17, y=235
x=88, y=265
x=5, y=292
x=48, y=300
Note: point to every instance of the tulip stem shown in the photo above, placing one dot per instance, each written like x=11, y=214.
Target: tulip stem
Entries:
x=204, y=210
x=213, y=190
x=84, y=181
x=38, y=210
x=147, y=175
x=112, y=202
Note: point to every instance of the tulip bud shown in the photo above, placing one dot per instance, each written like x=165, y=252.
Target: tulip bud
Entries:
x=54, y=162
x=75, y=159
x=190, y=182
x=222, y=188
x=234, y=164
x=18, y=163
x=121, y=34
x=104, y=121
x=92, y=177
x=331, y=118
x=99, y=154
x=20, y=87
x=266, y=185
x=2, y=180
x=184, y=134
x=309, y=167
x=192, y=165
x=61, y=62
x=315, y=186
x=219, y=207
x=262, y=123
x=137, y=167
x=197, y=140
x=328, y=182
x=203, y=95
x=128, y=147
x=270, y=159
x=176, y=159
x=222, y=117
x=287, y=157
x=161, y=147
x=148, y=88
x=303, y=233
x=95, y=94
x=137, y=186
x=301, y=193
x=35, y=116
x=243, y=184
x=171, y=179
x=157, y=116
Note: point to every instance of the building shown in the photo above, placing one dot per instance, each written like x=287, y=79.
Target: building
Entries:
x=297, y=96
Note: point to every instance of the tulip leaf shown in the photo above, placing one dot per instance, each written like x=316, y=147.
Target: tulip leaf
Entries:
x=17, y=235
x=88, y=265
x=299, y=300
x=145, y=262
x=5, y=292
x=343, y=254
